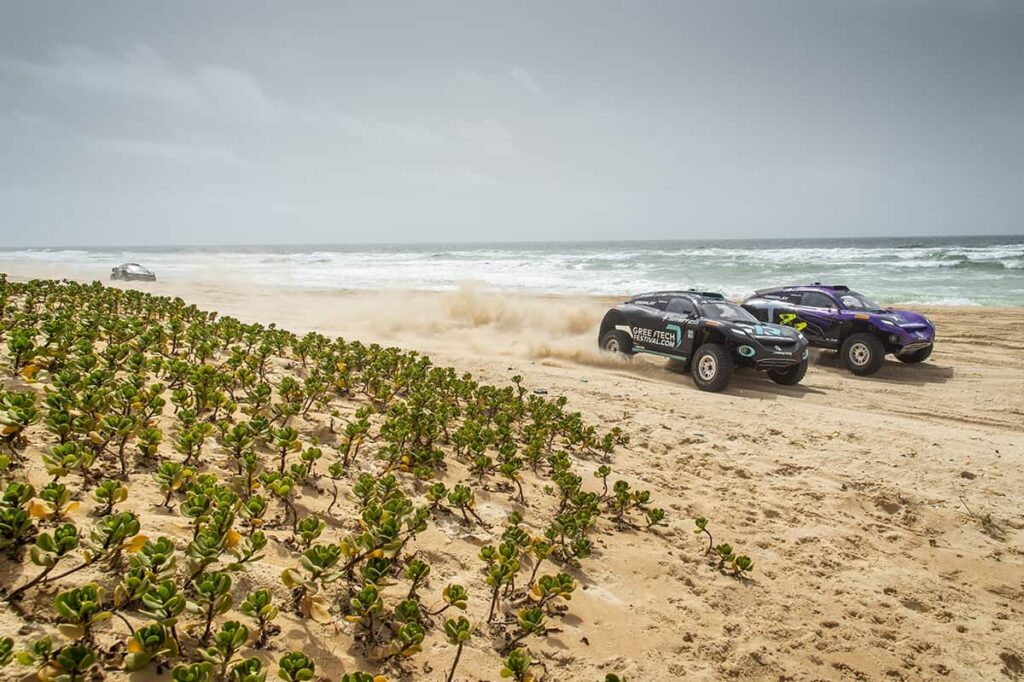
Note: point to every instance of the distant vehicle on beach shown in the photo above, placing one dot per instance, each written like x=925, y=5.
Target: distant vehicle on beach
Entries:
x=836, y=317
x=708, y=334
x=132, y=271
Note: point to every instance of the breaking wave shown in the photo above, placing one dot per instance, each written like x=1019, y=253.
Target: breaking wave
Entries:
x=978, y=270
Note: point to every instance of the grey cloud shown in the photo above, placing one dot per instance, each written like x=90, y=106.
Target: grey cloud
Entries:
x=245, y=121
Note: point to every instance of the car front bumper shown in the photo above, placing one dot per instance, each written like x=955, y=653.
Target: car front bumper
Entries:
x=904, y=342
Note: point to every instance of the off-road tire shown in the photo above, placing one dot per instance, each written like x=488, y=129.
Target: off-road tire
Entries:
x=862, y=353
x=791, y=375
x=616, y=341
x=919, y=355
x=711, y=367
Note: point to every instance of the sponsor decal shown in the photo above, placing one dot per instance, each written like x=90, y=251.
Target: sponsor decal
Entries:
x=792, y=320
x=657, y=337
x=761, y=330
x=675, y=329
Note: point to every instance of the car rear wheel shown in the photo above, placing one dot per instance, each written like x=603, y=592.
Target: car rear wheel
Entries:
x=616, y=341
x=862, y=354
x=791, y=375
x=711, y=367
x=919, y=355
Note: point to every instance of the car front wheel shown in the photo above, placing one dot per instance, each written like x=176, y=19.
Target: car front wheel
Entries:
x=711, y=367
x=919, y=355
x=863, y=354
x=791, y=375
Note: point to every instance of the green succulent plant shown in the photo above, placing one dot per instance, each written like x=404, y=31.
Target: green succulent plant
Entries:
x=79, y=609
x=742, y=564
x=6, y=651
x=296, y=667
x=171, y=477
x=110, y=360
x=227, y=641
x=463, y=499
x=551, y=587
x=164, y=603
x=192, y=672
x=359, y=676
x=259, y=605
x=248, y=670
x=457, y=632
x=702, y=527
x=416, y=572
x=48, y=550
x=309, y=529
x=109, y=493
x=150, y=643
x=517, y=666
x=212, y=598
x=72, y=663
x=408, y=639
x=318, y=566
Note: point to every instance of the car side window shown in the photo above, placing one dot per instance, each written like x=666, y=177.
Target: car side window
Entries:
x=816, y=299
x=681, y=306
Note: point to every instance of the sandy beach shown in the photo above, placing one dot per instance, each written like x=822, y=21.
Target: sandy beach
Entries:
x=884, y=514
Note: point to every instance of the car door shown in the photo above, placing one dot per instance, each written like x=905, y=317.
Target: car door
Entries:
x=679, y=320
x=655, y=329
x=819, y=312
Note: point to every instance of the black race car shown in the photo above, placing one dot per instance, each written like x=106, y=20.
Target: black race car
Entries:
x=132, y=271
x=707, y=333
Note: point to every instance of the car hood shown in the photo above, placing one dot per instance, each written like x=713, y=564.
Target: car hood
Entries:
x=764, y=330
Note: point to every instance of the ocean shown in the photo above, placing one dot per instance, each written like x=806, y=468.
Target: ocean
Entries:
x=938, y=270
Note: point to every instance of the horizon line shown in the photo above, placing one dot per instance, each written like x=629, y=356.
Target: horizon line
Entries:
x=507, y=242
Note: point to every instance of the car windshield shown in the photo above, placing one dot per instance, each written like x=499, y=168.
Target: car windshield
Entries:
x=854, y=301
x=729, y=312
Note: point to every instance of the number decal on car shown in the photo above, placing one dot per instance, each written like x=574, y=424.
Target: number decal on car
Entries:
x=791, y=320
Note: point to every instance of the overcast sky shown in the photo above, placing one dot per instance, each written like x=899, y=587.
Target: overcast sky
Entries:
x=199, y=122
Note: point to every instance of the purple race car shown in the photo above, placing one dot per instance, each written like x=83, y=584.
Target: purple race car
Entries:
x=833, y=316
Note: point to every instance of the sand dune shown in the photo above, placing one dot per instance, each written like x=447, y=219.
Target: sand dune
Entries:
x=884, y=514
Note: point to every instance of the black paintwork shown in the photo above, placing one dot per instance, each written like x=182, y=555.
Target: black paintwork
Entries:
x=675, y=323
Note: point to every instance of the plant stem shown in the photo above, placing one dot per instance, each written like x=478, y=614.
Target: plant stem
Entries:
x=125, y=621
x=458, y=653
x=494, y=602
x=533, y=574
x=76, y=569
x=17, y=593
